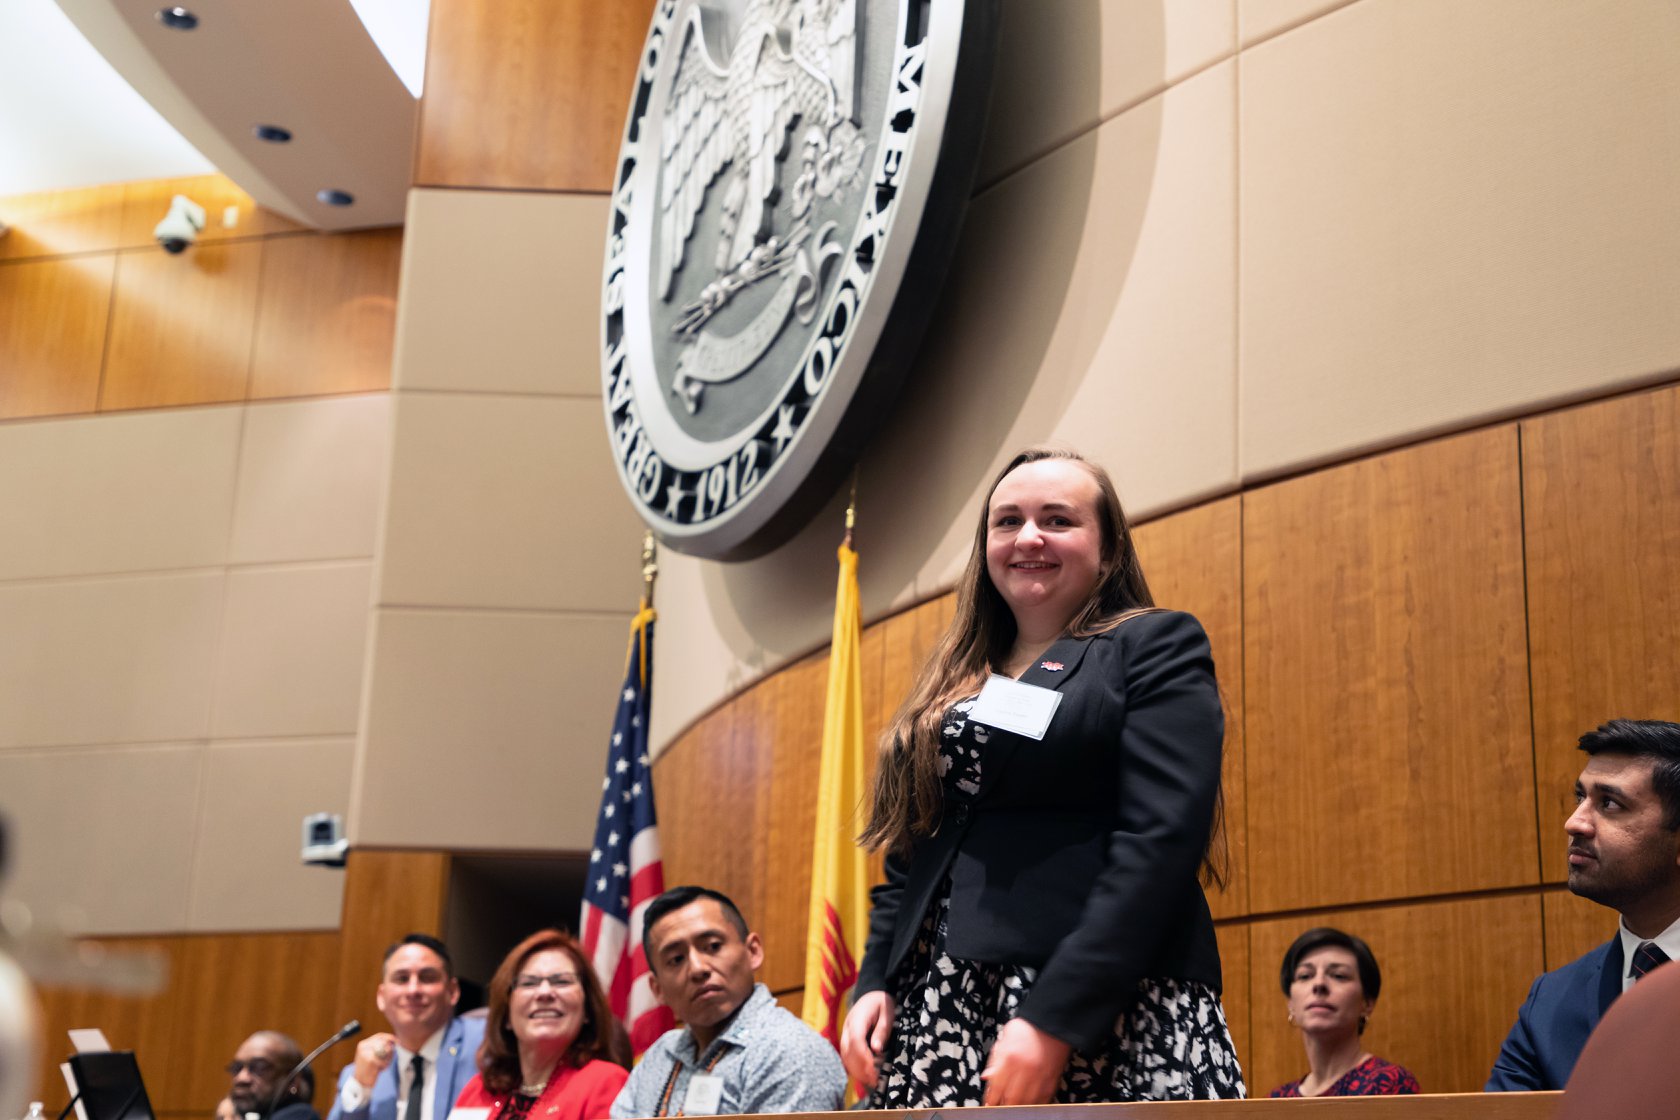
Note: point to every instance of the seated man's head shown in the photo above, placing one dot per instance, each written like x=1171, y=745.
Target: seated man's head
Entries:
x=702, y=957
x=417, y=989
x=259, y=1066
x=1624, y=835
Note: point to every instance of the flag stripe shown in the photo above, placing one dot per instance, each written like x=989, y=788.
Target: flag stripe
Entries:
x=625, y=872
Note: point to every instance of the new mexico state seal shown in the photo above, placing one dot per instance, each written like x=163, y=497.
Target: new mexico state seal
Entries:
x=787, y=199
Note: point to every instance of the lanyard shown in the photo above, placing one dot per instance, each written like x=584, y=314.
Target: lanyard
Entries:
x=676, y=1071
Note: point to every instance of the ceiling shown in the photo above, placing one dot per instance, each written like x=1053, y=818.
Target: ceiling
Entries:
x=99, y=91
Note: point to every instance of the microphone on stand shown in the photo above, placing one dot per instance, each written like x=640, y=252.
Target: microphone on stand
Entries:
x=353, y=1027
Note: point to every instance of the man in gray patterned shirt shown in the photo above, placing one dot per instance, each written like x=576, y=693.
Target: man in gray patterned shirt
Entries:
x=738, y=1052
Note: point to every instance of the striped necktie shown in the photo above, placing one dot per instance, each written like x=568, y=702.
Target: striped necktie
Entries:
x=1645, y=958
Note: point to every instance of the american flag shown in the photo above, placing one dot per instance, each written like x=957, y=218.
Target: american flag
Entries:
x=624, y=869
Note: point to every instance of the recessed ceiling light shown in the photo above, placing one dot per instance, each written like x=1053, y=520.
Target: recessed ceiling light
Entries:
x=178, y=18
x=335, y=198
x=273, y=133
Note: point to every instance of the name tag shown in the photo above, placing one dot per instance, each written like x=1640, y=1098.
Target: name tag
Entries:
x=469, y=1114
x=1022, y=708
x=705, y=1094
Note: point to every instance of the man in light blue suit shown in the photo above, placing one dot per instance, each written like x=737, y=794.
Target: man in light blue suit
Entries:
x=1624, y=853
x=415, y=1071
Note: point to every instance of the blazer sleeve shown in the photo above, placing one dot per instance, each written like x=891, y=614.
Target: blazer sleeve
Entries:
x=1170, y=736
x=1517, y=1068
x=884, y=902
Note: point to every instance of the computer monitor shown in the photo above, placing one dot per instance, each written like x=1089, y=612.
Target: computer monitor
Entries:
x=110, y=1086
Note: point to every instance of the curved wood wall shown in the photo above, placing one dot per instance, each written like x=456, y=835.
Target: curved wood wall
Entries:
x=1390, y=769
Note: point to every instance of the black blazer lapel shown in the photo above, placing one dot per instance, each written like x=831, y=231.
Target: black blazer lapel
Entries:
x=1065, y=654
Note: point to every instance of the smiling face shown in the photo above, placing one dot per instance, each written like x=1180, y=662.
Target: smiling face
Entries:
x=417, y=994
x=1325, y=995
x=702, y=966
x=1044, y=541
x=546, y=1008
x=1620, y=855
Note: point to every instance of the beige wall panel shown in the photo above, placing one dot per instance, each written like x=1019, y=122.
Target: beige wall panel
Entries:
x=247, y=874
x=311, y=474
x=106, y=661
x=1425, y=243
x=1261, y=19
x=181, y=326
x=500, y=501
x=1064, y=67
x=52, y=334
x=329, y=304
x=1453, y=971
x=117, y=493
x=294, y=641
x=103, y=838
x=1601, y=489
x=487, y=730
x=1090, y=304
x=1385, y=668
x=501, y=292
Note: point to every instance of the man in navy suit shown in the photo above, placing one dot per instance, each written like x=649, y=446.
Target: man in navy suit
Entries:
x=1624, y=853
x=415, y=1071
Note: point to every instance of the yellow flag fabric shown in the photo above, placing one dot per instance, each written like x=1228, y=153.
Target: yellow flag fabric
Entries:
x=839, y=911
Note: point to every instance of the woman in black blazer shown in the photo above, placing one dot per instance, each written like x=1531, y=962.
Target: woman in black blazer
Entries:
x=1042, y=933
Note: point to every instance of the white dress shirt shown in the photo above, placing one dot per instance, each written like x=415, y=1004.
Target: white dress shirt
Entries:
x=1668, y=941
x=354, y=1096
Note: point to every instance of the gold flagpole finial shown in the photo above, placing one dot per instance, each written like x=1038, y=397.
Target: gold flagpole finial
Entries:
x=851, y=509
x=650, y=564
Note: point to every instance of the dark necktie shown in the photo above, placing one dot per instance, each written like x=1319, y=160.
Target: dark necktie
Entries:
x=1645, y=958
x=416, y=1089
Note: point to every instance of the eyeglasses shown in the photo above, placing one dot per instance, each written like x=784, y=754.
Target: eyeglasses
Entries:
x=259, y=1067
x=559, y=981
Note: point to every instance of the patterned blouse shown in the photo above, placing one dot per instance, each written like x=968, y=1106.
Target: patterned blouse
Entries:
x=1371, y=1078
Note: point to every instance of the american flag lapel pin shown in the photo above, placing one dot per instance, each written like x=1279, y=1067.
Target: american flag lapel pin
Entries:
x=1053, y=666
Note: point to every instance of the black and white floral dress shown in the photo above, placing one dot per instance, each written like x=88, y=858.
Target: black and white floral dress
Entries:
x=1169, y=1043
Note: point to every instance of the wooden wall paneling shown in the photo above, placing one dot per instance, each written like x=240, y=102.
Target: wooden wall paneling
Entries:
x=145, y=203
x=872, y=660
x=527, y=94
x=1193, y=561
x=327, y=314
x=149, y=1026
x=52, y=334
x=234, y=984
x=386, y=895
x=53, y=223
x=794, y=1001
x=1237, y=999
x=1573, y=925
x=1601, y=490
x=789, y=801
x=1385, y=679
x=181, y=326
x=1454, y=972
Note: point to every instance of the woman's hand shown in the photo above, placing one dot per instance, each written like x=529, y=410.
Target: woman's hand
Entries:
x=868, y=1026
x=1025, y=1065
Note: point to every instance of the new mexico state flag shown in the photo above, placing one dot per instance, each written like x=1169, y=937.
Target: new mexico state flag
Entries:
x=839, y=912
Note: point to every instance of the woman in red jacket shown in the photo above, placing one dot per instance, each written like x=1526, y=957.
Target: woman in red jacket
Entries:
x=547, y=1039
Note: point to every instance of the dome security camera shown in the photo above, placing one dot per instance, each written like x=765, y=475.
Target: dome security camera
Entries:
x=181, y=226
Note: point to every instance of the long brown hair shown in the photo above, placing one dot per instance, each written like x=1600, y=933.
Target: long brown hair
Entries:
x=498, y=1058
x=907, y=796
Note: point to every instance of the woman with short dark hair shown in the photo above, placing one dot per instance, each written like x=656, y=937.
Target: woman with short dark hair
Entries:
x=547, y=1038
x=1331, y=981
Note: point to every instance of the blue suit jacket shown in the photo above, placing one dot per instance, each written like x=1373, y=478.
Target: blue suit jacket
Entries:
x=457, y=1063
x=1562, y=1008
